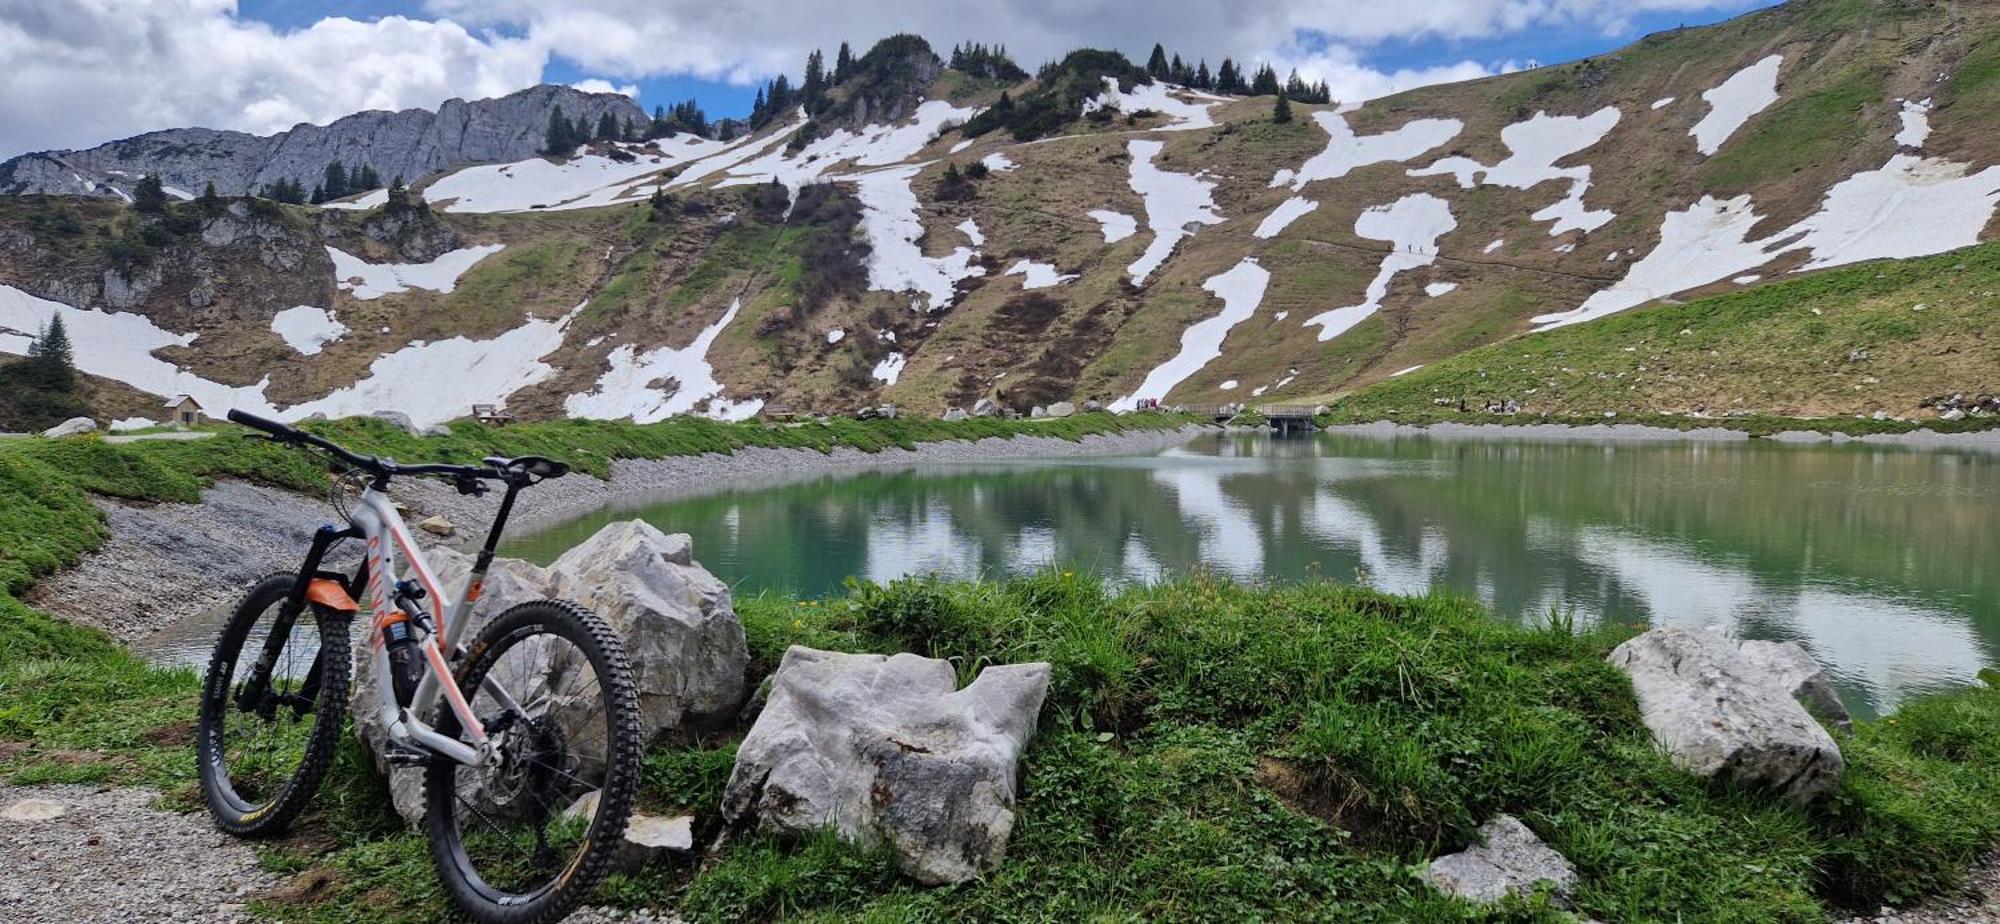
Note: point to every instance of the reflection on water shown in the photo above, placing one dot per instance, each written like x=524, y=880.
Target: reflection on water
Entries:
x=1873, y=558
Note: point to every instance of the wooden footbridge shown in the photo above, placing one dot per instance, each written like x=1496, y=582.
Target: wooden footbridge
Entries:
x=1284, y=418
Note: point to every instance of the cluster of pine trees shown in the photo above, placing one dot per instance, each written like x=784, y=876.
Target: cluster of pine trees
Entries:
x=1229, y=78
x=41, y=390
x=339, y=182
x=563, y=137
x=779, y=97
x=991, y=63
x=682, y=118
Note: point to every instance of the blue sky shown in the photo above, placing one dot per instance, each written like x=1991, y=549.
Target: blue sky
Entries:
x=265, y=65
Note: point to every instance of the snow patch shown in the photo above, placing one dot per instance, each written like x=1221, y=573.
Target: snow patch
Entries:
x=1534, y=145
x=971, y=231
x=835, y=335
x=1229, y=385
x=635, y=385
x=1732, y=103
x=1116, y=226
x=1436, y=289
x=307, y=329
x=1746, y=280
x=1173, y=202
x=1916, y=123
x=896, y=263
x=1157, y=96
x=119, y=346
x=1663, y=102
x=372, y=199
x=873, y=146
x=1038, y=275
x=1346, y=151
x=373, y=280
x=890, y=368
x=583, y=181
x=1402, y=372
x=1289, y=211
x=1412, y=226
x=1496, y=245
x=435, y=382
x=1699, y=244
x=999, y=163
x=1241, y=290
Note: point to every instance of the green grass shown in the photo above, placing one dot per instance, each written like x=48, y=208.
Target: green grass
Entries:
x=1208, y=751
x=1773, y=355
x=1798, y=134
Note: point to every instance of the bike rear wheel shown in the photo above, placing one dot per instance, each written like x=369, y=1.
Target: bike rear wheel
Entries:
x=522, y=840
x=261, y=753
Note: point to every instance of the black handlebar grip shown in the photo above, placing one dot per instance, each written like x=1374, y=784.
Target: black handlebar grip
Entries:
x=261, y=423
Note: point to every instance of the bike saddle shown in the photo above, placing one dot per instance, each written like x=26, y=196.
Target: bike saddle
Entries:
x=541, y=468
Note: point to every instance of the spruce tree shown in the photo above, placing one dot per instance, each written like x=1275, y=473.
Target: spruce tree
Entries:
x=557, y=140
x=759, y=109
x=1266, y=81
x=398, y=198
x=369, y=180
x=1281, y=111
x=318, y=194
x=813, y=91
x=843, y=65
x=1202, y=79
x=149, y=195
x=50, y=365
x=1157, y=64
x=607, y=127
x=1179, y=71
x=209, y=203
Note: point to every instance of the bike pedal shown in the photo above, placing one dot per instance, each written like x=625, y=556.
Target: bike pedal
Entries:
x=403, y=755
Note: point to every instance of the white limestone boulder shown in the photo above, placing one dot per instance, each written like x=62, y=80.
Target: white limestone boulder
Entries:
x=885, y=749
x=1720, y=714
x=1509, y=860
x=75, y=426
x=677, y=620
x=1793, y=670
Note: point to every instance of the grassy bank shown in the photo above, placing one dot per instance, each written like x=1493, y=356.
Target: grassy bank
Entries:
x=1804, y=353
x=1208, y=751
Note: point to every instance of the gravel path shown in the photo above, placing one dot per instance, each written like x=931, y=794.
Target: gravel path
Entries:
x=109, y=857
x=1979, y=903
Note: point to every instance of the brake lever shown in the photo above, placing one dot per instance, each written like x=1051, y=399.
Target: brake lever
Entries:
x=470, y=486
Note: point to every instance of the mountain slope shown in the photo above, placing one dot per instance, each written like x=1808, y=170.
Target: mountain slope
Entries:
x=411, y=143
x=1159, y=243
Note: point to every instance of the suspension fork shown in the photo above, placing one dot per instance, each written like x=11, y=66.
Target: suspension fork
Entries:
x=252, y=695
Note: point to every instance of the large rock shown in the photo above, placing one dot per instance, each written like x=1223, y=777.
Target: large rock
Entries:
x=677, y=620
x=986, y=407
x=1062, y=409
x=400, y=420
x=887, y=750
x=1718, y=713
x=1791, y=669
x=1510, y=860
x=71, y=427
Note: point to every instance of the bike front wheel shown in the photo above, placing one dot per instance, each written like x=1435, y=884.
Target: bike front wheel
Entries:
x=525, y=836
x=265, y=738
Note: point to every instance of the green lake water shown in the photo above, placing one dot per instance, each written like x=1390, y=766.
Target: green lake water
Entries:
x=1881, y=561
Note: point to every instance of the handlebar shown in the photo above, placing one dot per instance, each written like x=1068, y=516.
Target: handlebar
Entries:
x=380, y=467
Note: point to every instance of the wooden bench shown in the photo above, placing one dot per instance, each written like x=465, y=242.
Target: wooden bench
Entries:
x=491, y=415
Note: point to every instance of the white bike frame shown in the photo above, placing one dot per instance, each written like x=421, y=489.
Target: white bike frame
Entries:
x=389, y=544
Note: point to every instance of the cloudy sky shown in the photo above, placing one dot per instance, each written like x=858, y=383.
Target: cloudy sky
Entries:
x=79, y=72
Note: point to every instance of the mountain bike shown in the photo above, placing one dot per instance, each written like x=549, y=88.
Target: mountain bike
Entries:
x=528, y=738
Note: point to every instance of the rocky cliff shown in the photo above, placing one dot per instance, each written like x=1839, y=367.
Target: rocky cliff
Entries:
x=412, y=143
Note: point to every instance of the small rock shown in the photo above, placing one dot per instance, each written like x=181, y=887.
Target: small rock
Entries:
x=1953, y=414
x=32, y=811
x=437, y=430
x=437, y=526
x=1511, y=861
x=985, y=407
x=1038, y=412
x=646, y=836
x=1093, y=405
x=956, y=414
x=71, y=427
x=401, y=420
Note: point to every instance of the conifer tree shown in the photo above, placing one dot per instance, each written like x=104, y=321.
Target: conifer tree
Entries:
x=1157, y=65
x=1265, y=82
x=398, y=198
x=369, y=180
x=1202, y=79
x=1228, y=79
x=149, y=195
x=607, y=127
x=318, y=194
x=209, y=203
x=813, y=91
x=1179, y=71
x=560, y=137
x=50, y=365
x=843, y=65
x=334, y=184
x=758, y=109
x=1281, y=111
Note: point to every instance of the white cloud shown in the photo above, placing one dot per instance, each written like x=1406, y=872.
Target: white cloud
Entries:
x=84, y=71
x=600, y=85
x=80, y=72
